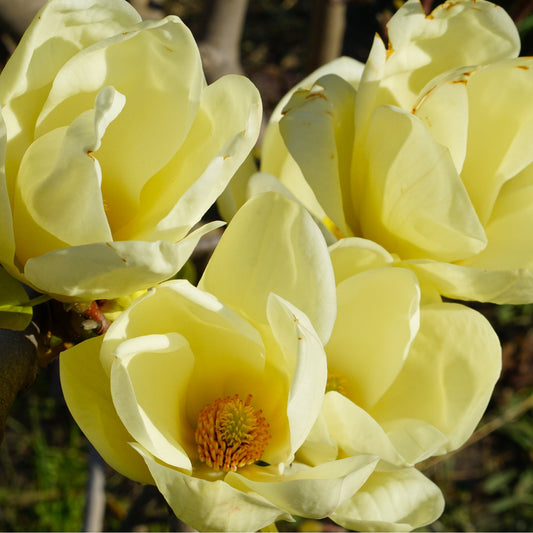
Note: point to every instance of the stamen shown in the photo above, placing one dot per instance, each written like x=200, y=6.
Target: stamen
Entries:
x=336, y=383
x=231, y=434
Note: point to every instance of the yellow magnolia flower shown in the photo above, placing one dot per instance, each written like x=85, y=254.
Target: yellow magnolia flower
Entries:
x=428, y=153
x=114, y=148
x=409, y=377
x=209, y=392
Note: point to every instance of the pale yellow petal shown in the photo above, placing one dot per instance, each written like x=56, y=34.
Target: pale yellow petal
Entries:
x=353, y=255
x=444, y=111
x=131, y=154
x=467, y=283
x=500, y=129
x=273, y=245
x=323, y=118
x=59, y=183
x=377, y=320
x=509, y=241
x=86, y=390
x=149, y=385
x=107, y=270
x=212, y=505
x=392, y=501
x=306, y=362
x=26, y=79
x=415, y=203
x=221, y=136
x=311, y=492
x=7, y=237
x=449, y=375
x=455, y=34
x=356, y=432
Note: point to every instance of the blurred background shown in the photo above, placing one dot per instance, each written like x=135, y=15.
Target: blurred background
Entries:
x=44, y=458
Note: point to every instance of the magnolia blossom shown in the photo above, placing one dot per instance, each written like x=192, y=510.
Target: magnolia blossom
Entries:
x=209, y=392
x=114, y=147
x=409, y=377
x=426, y=152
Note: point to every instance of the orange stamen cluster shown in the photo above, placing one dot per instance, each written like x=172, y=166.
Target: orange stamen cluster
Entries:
x=231, y=434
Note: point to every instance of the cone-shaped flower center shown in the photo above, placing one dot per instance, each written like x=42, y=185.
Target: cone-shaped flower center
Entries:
x=231, y=434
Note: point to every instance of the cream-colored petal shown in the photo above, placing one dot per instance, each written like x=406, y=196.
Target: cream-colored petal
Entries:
x=212, y=505
x=509, y=242
x=15, y=311
x=273, y=150
x=310, y=492
x=443, y=108
x=449, y=375
x=318, y=447
x=228, y=351
x=500, y=129
x=149, y=382
x=306, y=363
x=356, y=432
x=273, y=245
x=414, y=439
x=392, y=501
x=26, y=79
x=88, y=395
x=353, y=255
x=223, y=133
x=322, y=118
x=7, y=237
x=455, y=34
x=377, y=320
x=415, y=203
x=467, y=283
x=59, y=183
x=108, y=270
x=157, y=116
x=235, y=194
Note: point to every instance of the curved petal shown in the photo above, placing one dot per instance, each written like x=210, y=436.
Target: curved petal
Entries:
x=392, y=501
x=86, y=389
x=273, y=150
x=353, y=255
x=221, y=136
x=212, y=505
x=449, y=375
x=59, y=183
x=149, y=381
x=443, y=108
x=377, y=320
x=131, y=154
x=273, y=245
x=43, y=50
x=459, y=282
x=311, y=492
x=415, y=203
x=323, y=118
x=356, y=432
x=509, y=245
x=500, y=129
x=454, y=34
x=108, y=270
x=7, y=236
x=306, y=361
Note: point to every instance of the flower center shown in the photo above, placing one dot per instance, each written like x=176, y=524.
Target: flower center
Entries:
x=336, y=383
x=231, y=434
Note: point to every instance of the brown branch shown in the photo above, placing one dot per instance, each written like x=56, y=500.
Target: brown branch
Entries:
x=327, y=31
x=16, y=16
x=220, y=47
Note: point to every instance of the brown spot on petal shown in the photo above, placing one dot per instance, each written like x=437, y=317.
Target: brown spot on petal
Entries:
x=522, y=67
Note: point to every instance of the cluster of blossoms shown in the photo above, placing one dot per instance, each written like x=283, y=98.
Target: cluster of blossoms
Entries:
x=315, y=363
